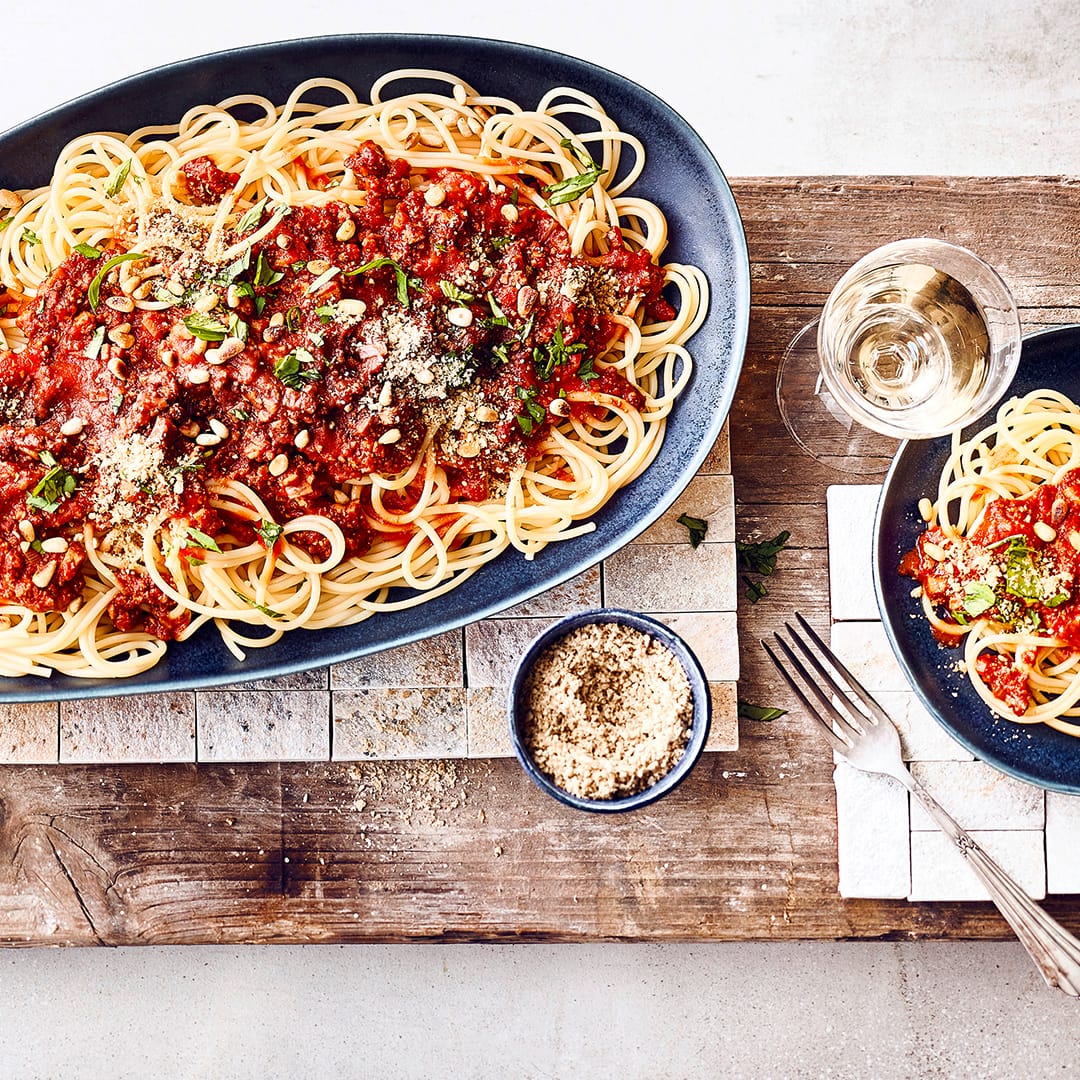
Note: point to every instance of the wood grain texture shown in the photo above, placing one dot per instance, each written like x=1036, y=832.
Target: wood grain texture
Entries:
x=409, y=851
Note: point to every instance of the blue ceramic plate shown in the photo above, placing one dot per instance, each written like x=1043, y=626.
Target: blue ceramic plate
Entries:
x=680, y=175
x=1037, y=754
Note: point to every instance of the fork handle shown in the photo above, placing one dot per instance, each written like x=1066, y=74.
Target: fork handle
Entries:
x=1055, y=951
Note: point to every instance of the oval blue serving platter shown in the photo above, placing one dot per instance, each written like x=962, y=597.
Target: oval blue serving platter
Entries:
x=681, y=176
x=1037, y=754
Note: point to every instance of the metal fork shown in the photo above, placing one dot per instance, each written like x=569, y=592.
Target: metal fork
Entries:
x=867, y=738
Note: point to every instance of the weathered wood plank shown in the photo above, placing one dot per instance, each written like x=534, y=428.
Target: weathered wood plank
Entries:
x=408, y=851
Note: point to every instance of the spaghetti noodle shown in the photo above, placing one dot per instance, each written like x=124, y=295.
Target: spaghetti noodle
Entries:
x=271, y=367
x=999, y=562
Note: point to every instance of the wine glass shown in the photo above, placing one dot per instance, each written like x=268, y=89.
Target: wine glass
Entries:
x=916, y=340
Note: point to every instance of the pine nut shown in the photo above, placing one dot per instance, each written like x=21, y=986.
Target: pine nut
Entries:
x=463, y=125
x=425, y=376
x=485, y=414
x=351, y=307
x=1074, y=539
x=232, y=296
x=526, y=300
x=282, y=241
x=117, y=368
x=932, y=551
x=73, y=426
x=435, y=195
x=509, y=211
x=277, y=319
x=303, y=437
x=460, y=316
x=318, y=266
x=431, y=138
x=75, y=606
x=175, y=287
x=143, y=290
x=1046, y=533
x=386, y=394
x=189, y=429
x=346, y=230
x=26, y=531
x=120, y=329
x=474, y=125
x=926, y=509
x=278, y=465
x=340, y=497
x=206, y=302
x=198, y=376
x=55, y=545
x=388, y=438
x=42, y=578
x=559, y=407
x=121, y=303
x=468, y=449
x=200, y=346
x=460, y=94
x=9, y=199
x=207, y=438
x=218, y=428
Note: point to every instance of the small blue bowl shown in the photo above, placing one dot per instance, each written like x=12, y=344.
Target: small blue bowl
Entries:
x=699, y=691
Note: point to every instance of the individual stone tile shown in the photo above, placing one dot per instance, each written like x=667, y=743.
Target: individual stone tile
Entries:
x=724, y=727
x=488, y=724
x=872, y=834
x=939, y=872
x=977, y=797
x=140, y=728
x=29, y=733
x=1062, y=849
x=851, y=509
x=494, y=646
x=712, y=636
x=311, y=679
x=386, y=724
x=719, y=457
x=434, y=661
x=260, y=725
x=865, y=650
x=711, y=498
x=922, y=738
x=671, y=577
x=578, y=594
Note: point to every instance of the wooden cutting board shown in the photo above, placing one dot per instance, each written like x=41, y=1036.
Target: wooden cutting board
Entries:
x=453, y=850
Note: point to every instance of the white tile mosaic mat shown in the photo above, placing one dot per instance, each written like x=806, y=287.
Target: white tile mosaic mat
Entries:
x=888, y=847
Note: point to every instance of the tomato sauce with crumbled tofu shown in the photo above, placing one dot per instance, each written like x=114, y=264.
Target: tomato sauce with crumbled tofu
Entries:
x=328, y=349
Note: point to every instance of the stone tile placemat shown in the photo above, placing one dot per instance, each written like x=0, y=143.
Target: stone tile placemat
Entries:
x=439, y=698
x=888, y=847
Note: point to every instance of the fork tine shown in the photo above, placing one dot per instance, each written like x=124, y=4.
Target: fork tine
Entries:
x=848, y=728
x=840, y=745
x=857, y=687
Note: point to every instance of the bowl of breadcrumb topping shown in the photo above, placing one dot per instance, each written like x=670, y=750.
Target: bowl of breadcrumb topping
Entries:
x=609, y=710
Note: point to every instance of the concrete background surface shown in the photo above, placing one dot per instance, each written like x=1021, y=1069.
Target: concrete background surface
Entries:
x=912, y=86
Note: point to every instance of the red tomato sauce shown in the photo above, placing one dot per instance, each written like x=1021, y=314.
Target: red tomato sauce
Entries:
x=463, y=314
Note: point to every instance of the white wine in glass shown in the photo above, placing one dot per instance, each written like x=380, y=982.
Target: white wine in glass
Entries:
x=917, y=339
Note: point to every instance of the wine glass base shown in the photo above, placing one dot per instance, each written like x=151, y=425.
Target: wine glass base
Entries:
x=820, y=427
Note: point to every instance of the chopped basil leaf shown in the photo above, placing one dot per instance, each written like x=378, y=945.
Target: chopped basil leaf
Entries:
x=265, y=274
x=326, y=313
x=206, y=327
x=93, y=292
x=697, y=527
x=237, y=327
x=88, y=251
x=1056, y=601
x=573, y=187
x=1021, y=573
x=269, y=531
x=292, y=319
x=755, y=590
x=117, y=400
x=200, y=539
x=499, y=353
x=259, y=607
x=243, y=288
x=585, y=370
x=5, y=221
x=499, y=242
x=452, y=292
x=760, y=558
x=297, y=266
x=525, y=423
x=235, y=268
x=55, y=486
x=764, y=713
x=251, y=218
x=116, y=180
x=979, y=598
x=30, y=237
x=290, y=370
x=403, y=280
x=93, y=346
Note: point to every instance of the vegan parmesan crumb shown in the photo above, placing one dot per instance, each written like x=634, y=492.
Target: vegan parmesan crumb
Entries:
x=608, y=711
